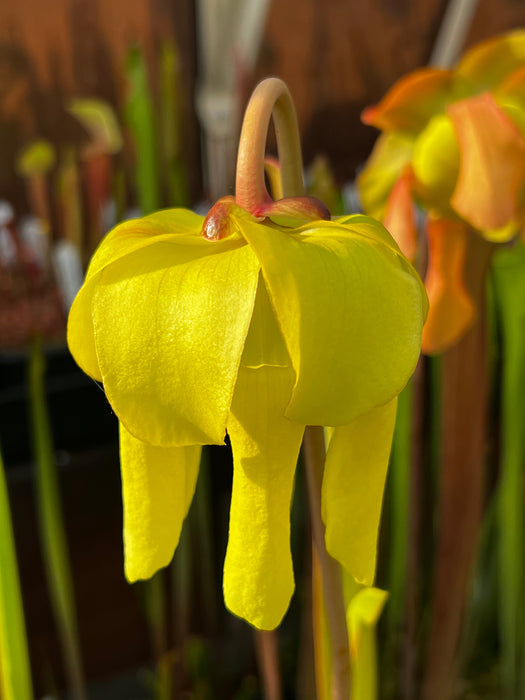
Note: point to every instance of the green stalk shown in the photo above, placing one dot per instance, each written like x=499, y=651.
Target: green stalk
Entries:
x=509, y=290
x=155, y=610
x=399, y=510
x=51, y=526
x=140, y=119
x=170, y=95
x=15, y=670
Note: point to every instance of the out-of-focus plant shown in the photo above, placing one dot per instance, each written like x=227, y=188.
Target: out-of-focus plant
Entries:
x=105, y=140
x=508, y=274
x=453, y=143
x=262, y=319
x=15, y=671
x=140, y=119
x=34, y=162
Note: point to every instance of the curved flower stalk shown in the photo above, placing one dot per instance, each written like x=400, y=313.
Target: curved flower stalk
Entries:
x=453, y=141
x=257, y=321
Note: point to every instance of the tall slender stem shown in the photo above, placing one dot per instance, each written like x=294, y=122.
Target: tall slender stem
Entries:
x=52, y=527
x=314, y=457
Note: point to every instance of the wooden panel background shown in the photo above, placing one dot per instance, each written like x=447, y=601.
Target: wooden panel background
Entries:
x=52, y=51
x=337, y=56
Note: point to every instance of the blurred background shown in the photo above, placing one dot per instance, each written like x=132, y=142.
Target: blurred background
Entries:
x=109, y=109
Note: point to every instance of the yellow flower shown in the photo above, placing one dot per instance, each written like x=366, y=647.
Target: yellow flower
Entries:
x=258, y=333
x=453, y=140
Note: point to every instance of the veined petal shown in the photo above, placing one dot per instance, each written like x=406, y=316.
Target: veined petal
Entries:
x=352, y=491
x=452, y=310
x=492, y=166
x=157, y=488
x=135, y=234
x=258, y=572
x=359, y=297
x=488, y=63
x=170, y=324
x=129, y=237
x=391, y=154
x=412, y=101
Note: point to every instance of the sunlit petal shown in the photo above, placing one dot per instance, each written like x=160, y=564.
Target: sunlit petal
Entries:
x=411, y=102
x=352, y=491
x=157, y=487
x=125, y=239
x=350, y=310
x=258, y=573
x=170, y=324
x=492, y=164
x=452, y=310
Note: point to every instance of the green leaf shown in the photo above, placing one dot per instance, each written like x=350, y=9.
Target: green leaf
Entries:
x=509, y=291
x=15, y=671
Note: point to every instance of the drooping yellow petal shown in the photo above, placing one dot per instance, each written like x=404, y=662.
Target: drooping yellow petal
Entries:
x=258, y=573
x=170, y=324
x=436, y=163
x=411, y=102
x=135, y=234
x=391, y=154
x=157, y=488
x=492, y=165
x=350, y=309
x=451, y=311
x=352, y=491
x=488, y=63
x=125, y=239
x=400, y=216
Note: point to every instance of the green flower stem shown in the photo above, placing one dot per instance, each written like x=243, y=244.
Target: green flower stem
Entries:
x=155, y=606
x=176, y=184
x=271, y=98
x=15, y=671
x=52, y=530
x=509, y=292
x=314, y=457
x=140, y=119
x=399, y=515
